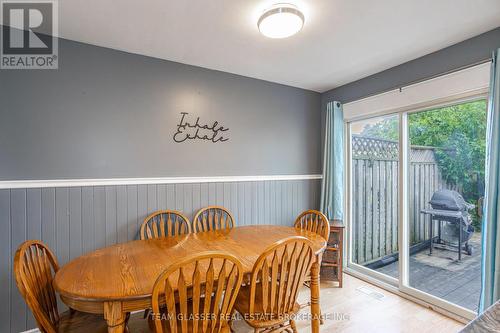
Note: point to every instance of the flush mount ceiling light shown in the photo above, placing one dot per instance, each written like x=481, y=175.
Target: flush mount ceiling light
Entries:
x=280, y=21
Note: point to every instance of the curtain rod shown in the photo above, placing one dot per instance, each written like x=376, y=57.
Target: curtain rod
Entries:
x=477, y=63
x=400, y=87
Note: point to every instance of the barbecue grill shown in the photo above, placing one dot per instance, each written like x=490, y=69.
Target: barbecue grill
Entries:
x=451, y=212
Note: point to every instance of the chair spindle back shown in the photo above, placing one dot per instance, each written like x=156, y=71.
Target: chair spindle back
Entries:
x=213, y=218
x=314, y=221
x=278, y=274
x=164, y=223
x=34, y=268
x=202, y=286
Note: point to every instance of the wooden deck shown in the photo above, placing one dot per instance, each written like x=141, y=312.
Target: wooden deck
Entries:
x=442, y=275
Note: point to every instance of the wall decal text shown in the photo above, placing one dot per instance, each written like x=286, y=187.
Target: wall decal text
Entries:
x=187, y=130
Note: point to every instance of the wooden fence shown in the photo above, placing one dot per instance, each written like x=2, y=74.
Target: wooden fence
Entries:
x=375, y=195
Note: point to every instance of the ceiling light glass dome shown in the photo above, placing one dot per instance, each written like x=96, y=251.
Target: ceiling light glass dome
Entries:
x=281, y=21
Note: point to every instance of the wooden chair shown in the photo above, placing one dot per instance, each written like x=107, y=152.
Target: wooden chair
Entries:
x=34, y=269
x=270, y=301
x=164, y=223
x=201, y=286
x=314, y=221
x=213, y=218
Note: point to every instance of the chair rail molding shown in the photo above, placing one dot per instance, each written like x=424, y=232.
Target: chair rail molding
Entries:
x=15, y=184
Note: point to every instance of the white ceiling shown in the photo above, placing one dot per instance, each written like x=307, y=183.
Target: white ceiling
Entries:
x=342, y=40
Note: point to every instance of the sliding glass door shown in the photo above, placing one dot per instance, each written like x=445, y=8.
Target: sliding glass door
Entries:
x=446, y=187
x=374, y=184
x=415, y=187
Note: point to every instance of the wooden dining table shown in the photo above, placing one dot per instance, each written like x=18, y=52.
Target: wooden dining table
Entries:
x=119, y=279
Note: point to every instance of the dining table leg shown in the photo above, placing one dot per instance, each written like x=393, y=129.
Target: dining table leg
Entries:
x=315, y=308
x=115, y=317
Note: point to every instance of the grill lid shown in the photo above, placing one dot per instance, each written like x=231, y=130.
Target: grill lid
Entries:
x=448, y=200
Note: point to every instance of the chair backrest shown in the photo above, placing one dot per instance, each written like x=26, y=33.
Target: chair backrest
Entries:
x=34, y=269
x=201, y=286
x=212, y=218
x=278, y=274
x=314, y=221
x=164, y=223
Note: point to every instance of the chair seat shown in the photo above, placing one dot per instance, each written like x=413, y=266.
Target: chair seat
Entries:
x=242, y=305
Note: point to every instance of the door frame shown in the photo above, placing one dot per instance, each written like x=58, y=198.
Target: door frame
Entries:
x=401, y=283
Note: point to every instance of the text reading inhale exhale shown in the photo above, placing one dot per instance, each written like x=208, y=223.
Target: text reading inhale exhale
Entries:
x=187, y=130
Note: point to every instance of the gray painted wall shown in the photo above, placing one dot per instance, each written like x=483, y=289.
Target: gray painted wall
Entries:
x=106, y=114
x=77, y=220
x=466, y=53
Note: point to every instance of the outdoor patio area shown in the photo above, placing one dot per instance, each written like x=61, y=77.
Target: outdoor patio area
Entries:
x=442, y=275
